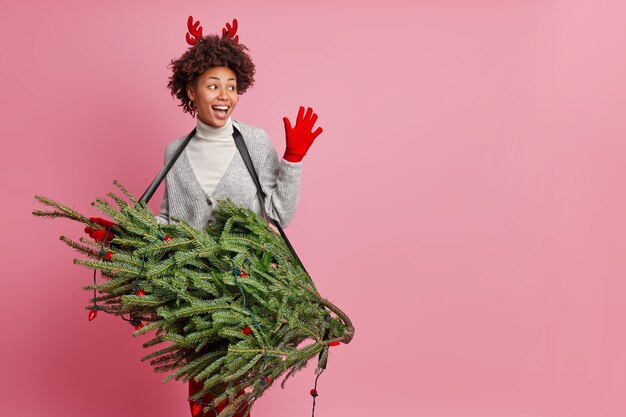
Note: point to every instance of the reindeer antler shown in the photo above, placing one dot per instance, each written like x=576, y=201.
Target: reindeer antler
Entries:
x=230, y=31
x=195, y=31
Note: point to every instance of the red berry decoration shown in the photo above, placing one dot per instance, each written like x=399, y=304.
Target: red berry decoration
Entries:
x=334, y=343
x=92, y=314
x=195, y=410
x=243, y=273
x=314, y=393
x=167, y=238
x=247, y=330
x=265, y=380
x=108, y=256
x=139, y=326
x=140, y=293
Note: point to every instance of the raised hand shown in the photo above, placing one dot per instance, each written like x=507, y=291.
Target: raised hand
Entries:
x=301, y=136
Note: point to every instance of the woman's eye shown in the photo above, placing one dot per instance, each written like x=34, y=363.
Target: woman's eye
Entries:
x=232, y=88
x=212, y=87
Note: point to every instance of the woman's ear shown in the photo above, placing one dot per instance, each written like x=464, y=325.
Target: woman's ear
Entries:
x=190, y=93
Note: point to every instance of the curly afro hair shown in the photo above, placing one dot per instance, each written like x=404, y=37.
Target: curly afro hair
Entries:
x=209, y=51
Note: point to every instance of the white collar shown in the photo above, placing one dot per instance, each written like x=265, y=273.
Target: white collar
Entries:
x=208, y=132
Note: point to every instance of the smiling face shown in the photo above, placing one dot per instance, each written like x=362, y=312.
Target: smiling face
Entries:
x=214, y=95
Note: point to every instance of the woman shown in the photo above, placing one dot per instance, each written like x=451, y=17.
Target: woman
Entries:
x=208, y=79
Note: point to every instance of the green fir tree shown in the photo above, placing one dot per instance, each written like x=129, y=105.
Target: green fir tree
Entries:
x=229, y=306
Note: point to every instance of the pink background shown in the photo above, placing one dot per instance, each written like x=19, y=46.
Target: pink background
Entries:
x=465, y=203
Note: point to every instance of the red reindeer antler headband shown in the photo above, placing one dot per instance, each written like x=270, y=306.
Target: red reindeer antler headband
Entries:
x=230, y=31
x=195, y=31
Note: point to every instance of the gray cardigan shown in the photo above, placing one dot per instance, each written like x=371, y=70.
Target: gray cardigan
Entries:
x=184, y=198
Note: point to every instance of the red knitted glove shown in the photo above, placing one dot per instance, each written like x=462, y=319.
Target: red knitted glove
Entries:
x=301, y=136
x=103, y=222
x=101, y=234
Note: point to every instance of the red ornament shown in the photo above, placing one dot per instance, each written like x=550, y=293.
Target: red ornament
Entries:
x=265, y=381
x=195, y=410
x=167, y=238
x=140, y=293
x=108, y=255
x=334, y=343
x=139, y=326
x=247, y=330
x=243, y=273
x=314, y=393
x=92, y=314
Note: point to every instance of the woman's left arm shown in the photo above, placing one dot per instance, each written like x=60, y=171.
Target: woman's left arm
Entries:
x=281, y=179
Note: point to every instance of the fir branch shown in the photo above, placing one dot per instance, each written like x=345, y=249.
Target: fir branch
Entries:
x=111, y=268
x=157, y=340
x=125, y=192
x=160, y=352
x=267, y=351
x=129, y=243
x=242, y=240
x=240, y=368
x=201, y=335
x=196, y=306
x=119, y=201
x=61, y=211
x=202, y=307
x=178, y=340
x=106, y=208
x=218, y=358
x=131, y=300
x=87, y=250
x=201, y=362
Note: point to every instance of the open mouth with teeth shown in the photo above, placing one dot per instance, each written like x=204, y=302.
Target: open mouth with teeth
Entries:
x=220, y=111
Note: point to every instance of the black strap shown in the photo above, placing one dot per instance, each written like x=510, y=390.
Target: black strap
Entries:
x=147, y=195
x=245, y=155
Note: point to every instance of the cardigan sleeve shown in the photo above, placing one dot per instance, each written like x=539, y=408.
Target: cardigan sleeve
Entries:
x=280, y=180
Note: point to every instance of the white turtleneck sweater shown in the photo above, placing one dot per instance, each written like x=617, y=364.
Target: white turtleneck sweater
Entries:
x=210, y=152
